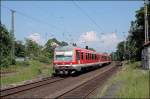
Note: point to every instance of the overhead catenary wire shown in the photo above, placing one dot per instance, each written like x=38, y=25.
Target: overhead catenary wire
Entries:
x=35, y=19
x=39, y=21
x=62, y=24
x=89, y=17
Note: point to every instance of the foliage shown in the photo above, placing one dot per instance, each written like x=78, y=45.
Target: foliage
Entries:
x=32, y=48
x=92, y=49
x=136, y=82
x=23, y=63
x=19, y=49
x=44, y=59
x=27, y=72
x=5, y=47
x=64, y=43
x=135, y=39
x=132, y=81
x=50, y=45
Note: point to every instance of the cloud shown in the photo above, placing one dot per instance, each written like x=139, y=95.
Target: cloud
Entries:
x=104, y=43
x=36, y=37
x=109, y=41
x=88, y=37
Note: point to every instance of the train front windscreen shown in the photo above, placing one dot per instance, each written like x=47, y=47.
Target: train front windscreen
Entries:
x=64, y=56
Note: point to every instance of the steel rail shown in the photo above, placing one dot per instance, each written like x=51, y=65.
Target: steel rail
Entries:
x=102, y=74
x=25, y=87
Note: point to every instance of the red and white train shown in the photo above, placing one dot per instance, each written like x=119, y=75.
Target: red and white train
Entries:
x=69, y=60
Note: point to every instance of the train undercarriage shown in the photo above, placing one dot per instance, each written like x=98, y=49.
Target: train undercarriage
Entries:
x=70, y=70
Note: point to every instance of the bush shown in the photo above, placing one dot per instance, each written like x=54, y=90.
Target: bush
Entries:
x=44, y=59
x=39, y=71
x=5, y=62
x=24, y=63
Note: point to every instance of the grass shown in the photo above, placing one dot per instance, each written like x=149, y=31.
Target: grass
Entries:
x=22, y=72
x=135, y=82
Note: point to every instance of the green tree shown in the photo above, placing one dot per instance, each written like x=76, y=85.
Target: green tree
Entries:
x=136, y=33
x=32, y=48
x=50, y=45
x=92, y=49
x=19, y=49
x=5, y=46
x=63, y=43
x=121, y=51
x=135, y=39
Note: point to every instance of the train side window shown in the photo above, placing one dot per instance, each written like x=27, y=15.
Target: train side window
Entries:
x=103, y=57
x=86, y=56
x=92, y=56
x=89, y=56
x=82, y=55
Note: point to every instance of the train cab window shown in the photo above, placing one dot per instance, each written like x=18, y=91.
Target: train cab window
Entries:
x=82, y=55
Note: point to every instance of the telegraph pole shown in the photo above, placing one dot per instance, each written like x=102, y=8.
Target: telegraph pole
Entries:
x=12, y=33
x=146, y=21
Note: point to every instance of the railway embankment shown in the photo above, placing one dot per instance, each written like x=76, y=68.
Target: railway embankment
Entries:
x=24, y=72
x=79, y=86
x=131, y=82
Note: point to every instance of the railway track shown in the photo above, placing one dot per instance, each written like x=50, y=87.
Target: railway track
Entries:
x=25, y=87
x=85, y=89
x=54, y=87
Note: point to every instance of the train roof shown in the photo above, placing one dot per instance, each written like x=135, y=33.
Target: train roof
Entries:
x=65, y=48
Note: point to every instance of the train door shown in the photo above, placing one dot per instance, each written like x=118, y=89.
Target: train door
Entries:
x=82, y=58
x=78, y=57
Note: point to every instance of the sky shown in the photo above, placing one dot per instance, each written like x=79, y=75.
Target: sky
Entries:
x=99, y=24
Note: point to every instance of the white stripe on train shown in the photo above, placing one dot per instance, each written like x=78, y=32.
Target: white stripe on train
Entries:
x=79, y=66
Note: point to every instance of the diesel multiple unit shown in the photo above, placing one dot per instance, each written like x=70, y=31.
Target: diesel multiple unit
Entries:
x=69, y=60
